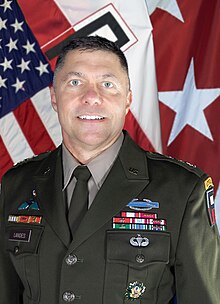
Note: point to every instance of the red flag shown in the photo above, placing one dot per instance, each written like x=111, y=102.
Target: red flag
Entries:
x=187, y=48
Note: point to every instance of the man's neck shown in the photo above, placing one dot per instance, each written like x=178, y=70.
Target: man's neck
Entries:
x=85, y=154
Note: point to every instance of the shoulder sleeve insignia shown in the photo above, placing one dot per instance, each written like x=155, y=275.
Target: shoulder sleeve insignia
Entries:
x=211, y=205
x=210, y=200
x=208, y=183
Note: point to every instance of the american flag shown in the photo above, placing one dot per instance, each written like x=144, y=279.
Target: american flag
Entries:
x=24, y=74
x=24, y=68
x=181, y=121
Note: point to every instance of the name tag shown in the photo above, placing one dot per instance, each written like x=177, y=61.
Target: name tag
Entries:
x=21, y=235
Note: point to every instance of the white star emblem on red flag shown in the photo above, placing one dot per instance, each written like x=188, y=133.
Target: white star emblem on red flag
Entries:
x=189, y=105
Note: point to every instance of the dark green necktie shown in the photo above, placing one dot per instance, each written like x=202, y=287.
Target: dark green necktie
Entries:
x=79, y=200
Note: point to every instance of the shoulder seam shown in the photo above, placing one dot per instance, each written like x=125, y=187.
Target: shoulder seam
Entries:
x=34, y=158
x=184, y=164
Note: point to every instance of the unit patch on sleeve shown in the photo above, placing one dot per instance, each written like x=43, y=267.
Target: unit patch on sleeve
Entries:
x=211, y=205
x=208, y=183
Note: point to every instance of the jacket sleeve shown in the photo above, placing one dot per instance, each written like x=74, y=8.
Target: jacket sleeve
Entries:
x=197, y=266
x=10, y=284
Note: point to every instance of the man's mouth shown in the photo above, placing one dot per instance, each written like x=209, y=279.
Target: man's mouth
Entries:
x=91, y=117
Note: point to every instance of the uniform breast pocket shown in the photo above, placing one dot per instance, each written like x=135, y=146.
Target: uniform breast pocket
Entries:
x=135, y=262
x=22, y=243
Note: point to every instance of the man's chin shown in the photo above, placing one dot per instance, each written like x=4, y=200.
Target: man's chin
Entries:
x=96, y=141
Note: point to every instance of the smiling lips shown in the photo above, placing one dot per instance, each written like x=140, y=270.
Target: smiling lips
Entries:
x=91, y=117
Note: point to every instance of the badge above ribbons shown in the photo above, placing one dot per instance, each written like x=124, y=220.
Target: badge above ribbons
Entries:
x=142, y=205
x=29, y=205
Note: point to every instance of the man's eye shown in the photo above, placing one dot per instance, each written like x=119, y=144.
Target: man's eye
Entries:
x=108, y=84
x=75, y=82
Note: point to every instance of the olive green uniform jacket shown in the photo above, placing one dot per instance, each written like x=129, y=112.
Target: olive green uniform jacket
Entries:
x=101, y=265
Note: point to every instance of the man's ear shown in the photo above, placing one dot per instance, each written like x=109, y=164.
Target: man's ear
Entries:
x=53, y=98
x=128, y=102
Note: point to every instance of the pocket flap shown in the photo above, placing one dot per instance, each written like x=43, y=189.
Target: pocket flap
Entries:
x=127, y=246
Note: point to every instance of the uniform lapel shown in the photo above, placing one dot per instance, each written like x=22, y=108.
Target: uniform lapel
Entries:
x=127, y=178
x=48, y=185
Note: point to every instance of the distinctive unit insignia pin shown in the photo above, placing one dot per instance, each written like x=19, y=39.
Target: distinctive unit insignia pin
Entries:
x=135, y=290
x=29, y=205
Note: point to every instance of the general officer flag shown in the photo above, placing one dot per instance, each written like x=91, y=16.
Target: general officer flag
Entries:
x=187, y=48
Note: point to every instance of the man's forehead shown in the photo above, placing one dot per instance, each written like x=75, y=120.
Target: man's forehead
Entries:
x=98, y=62
x=82, y=61
x=90, y=52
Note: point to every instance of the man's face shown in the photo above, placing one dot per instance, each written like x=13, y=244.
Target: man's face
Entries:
x=92, y=97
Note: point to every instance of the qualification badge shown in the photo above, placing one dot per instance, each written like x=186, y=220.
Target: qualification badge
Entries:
x=135, y=290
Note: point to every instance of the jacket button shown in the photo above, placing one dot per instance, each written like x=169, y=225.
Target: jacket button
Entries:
x=140, y=258
x=16, y=249
x=68, y=296
x=71, y=259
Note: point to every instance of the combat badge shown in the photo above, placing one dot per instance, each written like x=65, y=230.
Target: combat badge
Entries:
x=142, y=205
x=135, y=290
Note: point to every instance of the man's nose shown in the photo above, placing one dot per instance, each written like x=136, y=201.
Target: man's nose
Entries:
x=92, y=96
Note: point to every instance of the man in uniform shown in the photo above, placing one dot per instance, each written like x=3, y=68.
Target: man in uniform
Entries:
x=147, y=233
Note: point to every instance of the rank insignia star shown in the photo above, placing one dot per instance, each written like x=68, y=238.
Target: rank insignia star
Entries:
x=135, y=290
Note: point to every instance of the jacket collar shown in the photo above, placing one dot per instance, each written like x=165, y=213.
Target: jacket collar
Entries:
x=48, y=184
x=127, y=178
